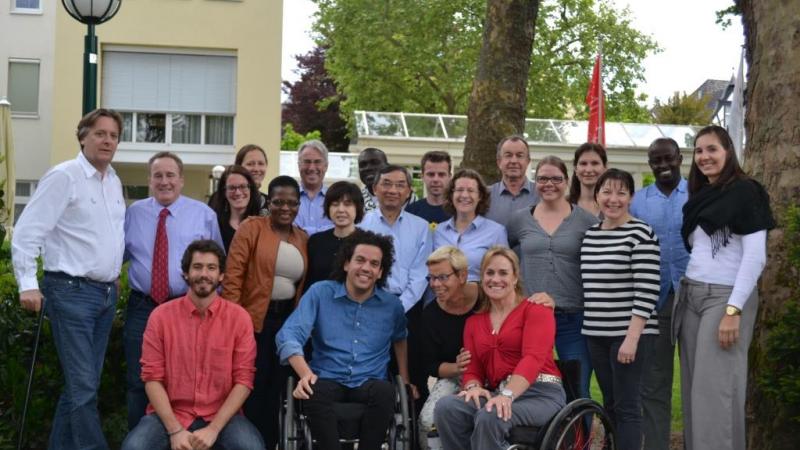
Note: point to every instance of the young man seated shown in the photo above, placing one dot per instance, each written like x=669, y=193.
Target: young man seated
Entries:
x=197, y=365
x=352, y=322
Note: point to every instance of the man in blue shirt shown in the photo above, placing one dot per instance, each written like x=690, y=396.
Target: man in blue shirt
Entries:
x=661, y=206
x=312, y=163
x=352, y=322
x=157, y=231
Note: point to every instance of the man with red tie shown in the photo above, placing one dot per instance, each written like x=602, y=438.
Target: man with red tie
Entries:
x=158, y=230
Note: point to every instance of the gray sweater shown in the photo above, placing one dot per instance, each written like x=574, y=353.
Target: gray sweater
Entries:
x=551, y=264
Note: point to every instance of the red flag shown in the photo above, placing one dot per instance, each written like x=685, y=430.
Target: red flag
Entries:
x=597, y=106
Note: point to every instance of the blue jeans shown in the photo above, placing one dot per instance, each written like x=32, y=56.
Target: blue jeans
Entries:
x=136, y=315
x=81, y=312
x=571, y=344
x=150, y=434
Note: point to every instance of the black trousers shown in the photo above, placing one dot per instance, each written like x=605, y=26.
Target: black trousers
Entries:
x=263, y=405
x=378, y=395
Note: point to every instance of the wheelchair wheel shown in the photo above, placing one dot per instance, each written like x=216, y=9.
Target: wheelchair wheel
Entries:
x=401, y=435
x=568, y=431
x=287, y=420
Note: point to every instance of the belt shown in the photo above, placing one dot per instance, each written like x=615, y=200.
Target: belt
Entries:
x=147, y=297
x=547, y=378
x=72, y=277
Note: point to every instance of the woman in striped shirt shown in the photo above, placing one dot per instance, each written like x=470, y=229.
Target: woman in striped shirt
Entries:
x=620, y=273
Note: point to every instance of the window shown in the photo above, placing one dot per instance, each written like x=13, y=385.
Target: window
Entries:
x=169, y=128
x=26, y=6
x=22, y=195
x=23, y=87
x=186, y=129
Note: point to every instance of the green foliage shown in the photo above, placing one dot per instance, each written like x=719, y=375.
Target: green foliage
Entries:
x=17, y=334
x=780, y=379
x=683, y=109
x=421, y=55
x=725, y=16
x=291, y=140
x=647, y=179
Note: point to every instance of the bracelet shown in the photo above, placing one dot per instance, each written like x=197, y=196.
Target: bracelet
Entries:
x=175, y=432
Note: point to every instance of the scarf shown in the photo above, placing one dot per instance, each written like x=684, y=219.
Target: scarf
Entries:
x=739, y=207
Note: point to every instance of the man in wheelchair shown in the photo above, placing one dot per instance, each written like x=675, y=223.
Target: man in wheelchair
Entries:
x=352, y=322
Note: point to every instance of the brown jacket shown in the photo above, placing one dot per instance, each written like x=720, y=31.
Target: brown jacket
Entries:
x=250, y=267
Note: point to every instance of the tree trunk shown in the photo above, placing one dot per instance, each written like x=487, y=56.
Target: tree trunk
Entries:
x=772, y=31
x=498, y=98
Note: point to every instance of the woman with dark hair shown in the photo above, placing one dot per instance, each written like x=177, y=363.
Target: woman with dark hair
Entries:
x=725, y=224
x=511, y=378
x=254, y=159
x=236, y=199
x=467, y=200
x=267, y=263
x=547, y=237
x=620, y=272
x=344, y=206
x=589, y=163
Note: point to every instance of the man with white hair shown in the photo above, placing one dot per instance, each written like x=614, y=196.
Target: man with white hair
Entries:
x=312, y=162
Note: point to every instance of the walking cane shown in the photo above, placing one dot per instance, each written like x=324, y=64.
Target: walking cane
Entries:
x=30, y=377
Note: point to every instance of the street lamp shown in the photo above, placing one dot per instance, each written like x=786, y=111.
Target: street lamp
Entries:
x=216, y=174
x=90, y=12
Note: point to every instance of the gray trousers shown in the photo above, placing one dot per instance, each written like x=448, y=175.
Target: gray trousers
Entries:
x=713, y=380
x=462, y=426
x=657, y=384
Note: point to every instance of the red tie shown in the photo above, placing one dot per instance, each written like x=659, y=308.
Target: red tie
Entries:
x=159, y=284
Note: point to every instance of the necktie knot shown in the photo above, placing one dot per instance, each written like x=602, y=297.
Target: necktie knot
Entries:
x=164, y=213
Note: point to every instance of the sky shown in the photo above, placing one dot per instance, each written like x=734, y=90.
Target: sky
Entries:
x=694, y=48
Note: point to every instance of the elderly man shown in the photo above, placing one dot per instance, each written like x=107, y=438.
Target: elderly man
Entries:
x=514, y=190
x=661, y=206
x=312, y=162
x=370, y=161
x=436, y=166
x=157, y=231
x=198, y=363
x=352, y=322
x=75, y=221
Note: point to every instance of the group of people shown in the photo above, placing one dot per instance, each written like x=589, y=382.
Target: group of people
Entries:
x=471, y=285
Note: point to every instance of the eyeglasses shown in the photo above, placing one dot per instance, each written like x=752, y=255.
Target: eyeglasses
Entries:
x=440, y=278
x=544, y=180
x=400, y=185
x=280, y=203
x=237, y=187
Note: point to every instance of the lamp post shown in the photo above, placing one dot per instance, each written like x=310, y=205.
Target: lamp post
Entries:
x=91, y=12
x=216, y=174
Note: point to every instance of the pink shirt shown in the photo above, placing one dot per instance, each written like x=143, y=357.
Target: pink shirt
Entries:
x=523, y=345
x=198, y=359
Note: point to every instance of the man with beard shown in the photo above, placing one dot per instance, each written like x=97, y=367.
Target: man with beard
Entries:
x=370, y=162
x=661, y=206
x=352, y=323
x=514, y=190
x=198, y=362
x=436, y=176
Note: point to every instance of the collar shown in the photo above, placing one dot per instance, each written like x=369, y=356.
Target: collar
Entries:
x=322, y=191
x=173, y=208
x=399, y=217
x=341, y=292
x=527, y=186
x=653, y=190
x=475, y=224
x=188, y=307
x=88, y=169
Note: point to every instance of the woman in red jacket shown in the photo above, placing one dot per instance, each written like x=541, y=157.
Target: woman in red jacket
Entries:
x=511, y=379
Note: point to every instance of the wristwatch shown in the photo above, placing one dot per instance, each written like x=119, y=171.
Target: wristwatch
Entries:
x=507, y=393
x=731, y=310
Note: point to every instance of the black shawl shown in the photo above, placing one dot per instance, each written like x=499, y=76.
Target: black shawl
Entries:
x=739, y=207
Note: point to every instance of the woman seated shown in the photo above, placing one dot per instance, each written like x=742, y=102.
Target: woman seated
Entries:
x=511, y=379
x=443, y=355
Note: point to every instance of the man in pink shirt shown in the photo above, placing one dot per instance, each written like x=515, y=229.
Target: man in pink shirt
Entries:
x=197, y=365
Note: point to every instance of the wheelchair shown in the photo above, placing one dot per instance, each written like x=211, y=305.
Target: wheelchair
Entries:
x=581, y=425
x=295, y=432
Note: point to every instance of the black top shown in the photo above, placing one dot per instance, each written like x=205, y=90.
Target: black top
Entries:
x=433, y=214
x=443, y=335
x=322, y=250
x=227, y=232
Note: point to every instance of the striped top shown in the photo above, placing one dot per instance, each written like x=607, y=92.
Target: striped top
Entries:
x=621, y=276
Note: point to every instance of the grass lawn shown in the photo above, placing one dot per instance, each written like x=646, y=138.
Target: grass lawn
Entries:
x=677, y=412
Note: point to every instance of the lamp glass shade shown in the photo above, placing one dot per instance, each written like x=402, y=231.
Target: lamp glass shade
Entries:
x=92, y=11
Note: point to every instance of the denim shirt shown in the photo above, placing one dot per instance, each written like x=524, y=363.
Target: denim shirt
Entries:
x=351, y=341
x=665, y=215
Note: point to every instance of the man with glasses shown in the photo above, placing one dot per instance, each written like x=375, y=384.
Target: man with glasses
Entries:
x=514, y=191
x=661, y=206
x=312, y=162
x=412, y=245
x=158, y=230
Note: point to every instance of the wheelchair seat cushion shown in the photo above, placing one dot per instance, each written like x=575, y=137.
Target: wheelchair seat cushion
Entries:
x=526, y=435
x=348, y=417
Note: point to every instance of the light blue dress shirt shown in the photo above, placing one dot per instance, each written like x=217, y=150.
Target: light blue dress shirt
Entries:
x=309, y=216
x=351, y=341
x=188, y=220
x=479, y=236
x=665, y=215
x=412, y=245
